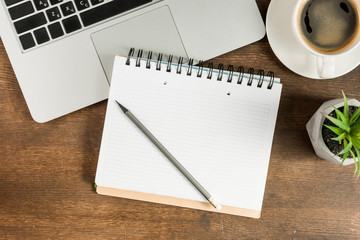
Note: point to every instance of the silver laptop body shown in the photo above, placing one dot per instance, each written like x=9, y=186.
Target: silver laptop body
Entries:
x=62, y=51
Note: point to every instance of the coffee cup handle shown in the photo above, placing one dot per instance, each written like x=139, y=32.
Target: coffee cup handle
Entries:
x=325, y=66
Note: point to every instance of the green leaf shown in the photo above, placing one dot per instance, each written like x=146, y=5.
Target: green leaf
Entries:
x=355, y=142
x=346, y=154
x=356, y=127
x=346, y=107
x=347, y=148
x=337, y=115
x=357, y=123
x=358, y=162
x=336, y=130
x=344, y=157
x=356, y=166
x=355, y=133
x=341, y=115
x=354, y=116
x=339, y=123
x=340, y=137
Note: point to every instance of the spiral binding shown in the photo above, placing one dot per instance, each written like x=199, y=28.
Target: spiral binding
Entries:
x=211, y=70
x=158, y=62
x=148, y=60
x=190, y=68
x=231, y=73
x=168, y=68
x=179, y=65
x=200, y=69
x=220, y=70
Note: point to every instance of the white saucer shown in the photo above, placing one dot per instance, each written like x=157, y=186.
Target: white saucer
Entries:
x=289, y=50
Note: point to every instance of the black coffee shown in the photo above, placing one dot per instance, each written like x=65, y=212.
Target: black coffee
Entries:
x=329, y=26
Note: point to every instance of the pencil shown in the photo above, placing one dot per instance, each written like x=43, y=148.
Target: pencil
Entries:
x=181, y=168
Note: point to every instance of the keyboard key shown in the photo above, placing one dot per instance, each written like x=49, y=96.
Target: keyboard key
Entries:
x=71, y=24
x=67, y=8
x=11, y=2
x=108, y=10
x=82, y=4
x=55, y=30
x=53, y=2
x=53, y=14
x=21, y=10
x=94, y=2
x=29, y=23
x=41, y=4
x=41, y=35
x=27, y=41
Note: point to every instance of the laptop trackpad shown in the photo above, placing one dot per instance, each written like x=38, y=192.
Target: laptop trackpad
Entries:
x=153, y=31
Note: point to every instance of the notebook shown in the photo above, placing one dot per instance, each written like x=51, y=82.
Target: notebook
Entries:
x=218, y=123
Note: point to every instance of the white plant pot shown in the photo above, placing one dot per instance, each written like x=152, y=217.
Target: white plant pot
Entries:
x=314, y=129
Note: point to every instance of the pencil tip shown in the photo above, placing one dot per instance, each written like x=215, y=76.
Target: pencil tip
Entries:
x=214, y=203
x=124, y=109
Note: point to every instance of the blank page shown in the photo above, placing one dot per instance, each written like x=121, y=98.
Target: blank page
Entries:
x=220, y=132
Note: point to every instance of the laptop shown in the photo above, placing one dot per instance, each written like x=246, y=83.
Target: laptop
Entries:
x=62, y=51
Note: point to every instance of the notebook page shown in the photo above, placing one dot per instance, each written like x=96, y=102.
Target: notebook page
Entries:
x=220, y=132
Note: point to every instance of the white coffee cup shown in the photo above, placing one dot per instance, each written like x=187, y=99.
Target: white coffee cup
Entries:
x=326, y=58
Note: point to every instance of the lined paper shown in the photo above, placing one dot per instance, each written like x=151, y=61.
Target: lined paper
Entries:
x=220, y=132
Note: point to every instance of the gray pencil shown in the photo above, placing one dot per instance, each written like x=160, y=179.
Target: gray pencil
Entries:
x=170, y=157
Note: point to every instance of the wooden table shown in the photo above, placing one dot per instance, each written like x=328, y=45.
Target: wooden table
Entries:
x=47, y=172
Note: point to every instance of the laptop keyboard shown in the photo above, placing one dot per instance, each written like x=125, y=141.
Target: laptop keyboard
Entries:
x=39, y=21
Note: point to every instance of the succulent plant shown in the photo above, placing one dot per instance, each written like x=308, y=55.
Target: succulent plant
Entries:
x=347, y=129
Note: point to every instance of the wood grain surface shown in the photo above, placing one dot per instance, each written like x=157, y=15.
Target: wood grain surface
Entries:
x=47, y=172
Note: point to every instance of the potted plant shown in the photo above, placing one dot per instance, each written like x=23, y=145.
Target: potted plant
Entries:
x=334, y=131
